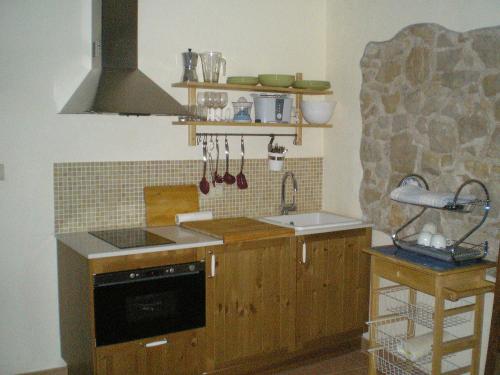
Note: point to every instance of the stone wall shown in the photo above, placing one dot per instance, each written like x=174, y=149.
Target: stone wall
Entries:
x=430, y=103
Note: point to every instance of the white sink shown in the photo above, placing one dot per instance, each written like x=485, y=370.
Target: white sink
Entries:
x=314, y=222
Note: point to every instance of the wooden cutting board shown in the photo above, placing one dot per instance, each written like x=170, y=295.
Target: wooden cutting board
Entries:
x=164, y=202
x=238, y=229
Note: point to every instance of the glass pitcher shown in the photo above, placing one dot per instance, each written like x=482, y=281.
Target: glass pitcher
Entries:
x=211, y=63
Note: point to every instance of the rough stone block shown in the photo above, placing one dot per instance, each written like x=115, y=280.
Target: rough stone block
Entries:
x=391, y=102
x=491, y=84
x=418, y=65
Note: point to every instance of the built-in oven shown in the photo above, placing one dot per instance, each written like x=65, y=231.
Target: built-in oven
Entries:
x=141, y=303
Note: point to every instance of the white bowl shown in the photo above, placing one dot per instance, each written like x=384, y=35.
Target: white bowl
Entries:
x=317, y=112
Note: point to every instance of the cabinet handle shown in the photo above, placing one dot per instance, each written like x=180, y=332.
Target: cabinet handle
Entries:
x=156, y=343
x=212, y=264
x=304, y=253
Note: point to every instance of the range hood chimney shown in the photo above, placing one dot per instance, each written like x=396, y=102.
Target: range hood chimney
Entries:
x=115, y=84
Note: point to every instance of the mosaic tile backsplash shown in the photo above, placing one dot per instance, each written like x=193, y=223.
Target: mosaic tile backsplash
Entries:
x=106, y=195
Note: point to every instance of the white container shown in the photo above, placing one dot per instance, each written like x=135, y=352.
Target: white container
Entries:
x=317, y=112
x=276, y=161
x=272, y=108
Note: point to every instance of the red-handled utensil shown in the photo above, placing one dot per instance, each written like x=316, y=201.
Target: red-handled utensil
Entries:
x=204, y=184
x=241, y=180
x=228, y=178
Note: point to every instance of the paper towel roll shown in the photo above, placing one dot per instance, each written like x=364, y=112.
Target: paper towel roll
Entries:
x=419, y=346
x=193, y=216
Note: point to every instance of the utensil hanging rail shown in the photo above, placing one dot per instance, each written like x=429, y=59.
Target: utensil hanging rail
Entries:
x=199, y=136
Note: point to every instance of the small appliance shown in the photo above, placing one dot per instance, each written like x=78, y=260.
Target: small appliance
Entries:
x=190, y=61
x=274, y=108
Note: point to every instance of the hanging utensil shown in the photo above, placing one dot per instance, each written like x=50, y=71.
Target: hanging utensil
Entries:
x=204, y=184
x=228, y=178
x=241, y=180
x=217, y=178
x=211, y=146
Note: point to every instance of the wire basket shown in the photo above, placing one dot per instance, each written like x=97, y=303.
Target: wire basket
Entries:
x=391, y=364
x=389, y=335
x=421, y=313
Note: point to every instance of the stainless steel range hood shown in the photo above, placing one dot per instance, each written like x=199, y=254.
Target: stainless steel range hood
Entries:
x=115, y=84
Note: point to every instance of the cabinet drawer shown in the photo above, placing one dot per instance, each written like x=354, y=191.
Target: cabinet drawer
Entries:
x=404, y=275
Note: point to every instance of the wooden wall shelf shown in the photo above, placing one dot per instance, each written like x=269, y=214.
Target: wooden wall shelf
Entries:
x=248, y=124
x=193, y=86
x=253, y=88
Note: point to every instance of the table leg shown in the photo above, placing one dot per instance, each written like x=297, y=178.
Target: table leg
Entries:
x=374, y=310
x=437, y=347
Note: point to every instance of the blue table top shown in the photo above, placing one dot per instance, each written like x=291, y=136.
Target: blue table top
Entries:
x=422, y=260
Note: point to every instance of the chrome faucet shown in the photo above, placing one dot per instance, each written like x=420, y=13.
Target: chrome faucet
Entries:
x=285, y=208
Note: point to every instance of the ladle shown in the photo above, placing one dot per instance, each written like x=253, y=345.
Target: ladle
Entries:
x=204, y=184
x=228, y=178
x=241, y=180
x=217, y=178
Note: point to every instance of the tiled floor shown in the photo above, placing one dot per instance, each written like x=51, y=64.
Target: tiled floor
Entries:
x=355, y=363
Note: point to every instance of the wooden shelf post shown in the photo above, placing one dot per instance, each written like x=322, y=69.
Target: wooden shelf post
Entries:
x=192, y=129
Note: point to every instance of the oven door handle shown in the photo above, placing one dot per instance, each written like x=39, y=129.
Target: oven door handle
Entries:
x=156, y=343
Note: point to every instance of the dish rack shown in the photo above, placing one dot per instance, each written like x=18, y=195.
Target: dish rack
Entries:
x=456, y=250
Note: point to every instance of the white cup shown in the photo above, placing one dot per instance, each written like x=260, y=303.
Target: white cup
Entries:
x=429, y=227
x=438, y=241
x=424, y=239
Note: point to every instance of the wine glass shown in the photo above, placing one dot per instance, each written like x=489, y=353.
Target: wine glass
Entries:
x=210, y=102
x=223, y=102
x=217, y=105
x=201, y=100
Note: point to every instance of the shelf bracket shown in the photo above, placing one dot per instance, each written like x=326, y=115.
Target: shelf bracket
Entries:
x=298, y=132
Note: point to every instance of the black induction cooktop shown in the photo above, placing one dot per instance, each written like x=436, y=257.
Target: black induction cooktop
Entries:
x=131, y=237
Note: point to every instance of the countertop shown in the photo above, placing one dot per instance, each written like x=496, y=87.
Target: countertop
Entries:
x=91, y=247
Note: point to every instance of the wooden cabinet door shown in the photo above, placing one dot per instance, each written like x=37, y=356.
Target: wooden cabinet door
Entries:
x=332, y=284
x=174, y=354
x=250, y=300
x=124, y=359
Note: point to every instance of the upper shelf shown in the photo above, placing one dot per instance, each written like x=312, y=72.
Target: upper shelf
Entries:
x=257, y=88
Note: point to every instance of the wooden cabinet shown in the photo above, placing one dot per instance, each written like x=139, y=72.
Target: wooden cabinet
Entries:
x=176, y=354
x=250, y=300
x=333, y=281
x=267, y=302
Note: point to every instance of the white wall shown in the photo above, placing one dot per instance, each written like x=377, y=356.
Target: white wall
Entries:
x=351, y=25
x=44, y=55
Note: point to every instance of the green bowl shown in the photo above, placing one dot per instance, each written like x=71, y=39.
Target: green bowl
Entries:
x=311, y=85
x=276, y=80
x=243, y=80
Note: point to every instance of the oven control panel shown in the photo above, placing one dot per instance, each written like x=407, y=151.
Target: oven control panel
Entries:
x=171, y=270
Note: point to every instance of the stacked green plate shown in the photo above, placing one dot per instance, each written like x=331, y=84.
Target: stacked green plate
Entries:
x=243, y=80
x=276, y=80
x=311, y=85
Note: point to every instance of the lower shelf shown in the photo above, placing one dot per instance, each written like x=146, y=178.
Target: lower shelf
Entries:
x=250, y=124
